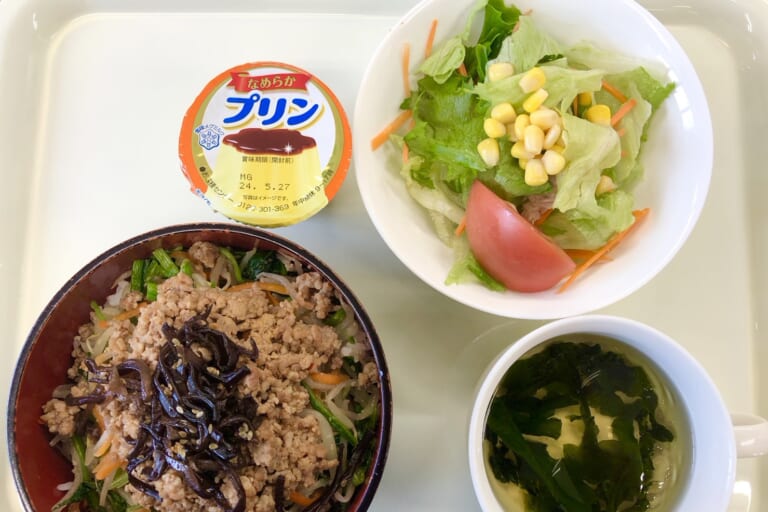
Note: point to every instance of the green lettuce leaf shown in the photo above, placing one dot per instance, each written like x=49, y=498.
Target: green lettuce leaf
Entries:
x=649, y=93
x=586, y=55
x=581, y=220
x=576, y=230
x=466, y=269
x=444, y=60
x=628, y=169
x=589, y=148
x=498, y=22
x=507, y=179
x=431, y=198
x=652, y=90
x=449, y=124
x=563, y=84
x=528, y=46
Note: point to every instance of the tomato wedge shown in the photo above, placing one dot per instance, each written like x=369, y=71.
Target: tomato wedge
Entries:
x=509, y=248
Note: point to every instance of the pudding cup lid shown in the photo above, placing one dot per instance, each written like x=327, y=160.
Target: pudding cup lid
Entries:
x=266, y=144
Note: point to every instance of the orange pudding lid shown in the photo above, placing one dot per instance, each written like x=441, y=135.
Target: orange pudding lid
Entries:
x=266, y=144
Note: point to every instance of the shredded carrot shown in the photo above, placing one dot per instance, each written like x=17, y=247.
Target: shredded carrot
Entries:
x=405, y=153
x=543, y=217
x=613, y=91
x=109, y=463
x=430, y=38
x=461, y=227
x=240, y=287
x=273, y=287
x=584, y=254
x=302, y=500
x=125, y=315
x=621, y=132
x=406, y=65
x=392, y=127
x=624, y=109
x=328, y=378
x=463, y=70
x=613, y=242
x=272, y=299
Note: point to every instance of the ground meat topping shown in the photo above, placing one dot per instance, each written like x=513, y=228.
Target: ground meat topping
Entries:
x=133, y=388
x=192, y=421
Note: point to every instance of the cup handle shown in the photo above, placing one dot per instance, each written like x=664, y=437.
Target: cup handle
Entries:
x=751, y=435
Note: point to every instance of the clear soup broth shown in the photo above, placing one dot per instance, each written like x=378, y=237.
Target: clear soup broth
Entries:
x=584, y=423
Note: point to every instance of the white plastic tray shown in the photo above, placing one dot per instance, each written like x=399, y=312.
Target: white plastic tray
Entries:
x=92, y=93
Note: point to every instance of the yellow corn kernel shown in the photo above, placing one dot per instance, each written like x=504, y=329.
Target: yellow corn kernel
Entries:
x=558, y=148
x=545, y=118
x=586, y=98
x=518, y=151
x=605, y=185
x=511, y=135
x=553, y=162
x=533, y=139
x=535, y=100
x=504, y=113
x=522, y=162
x=532, y=80
x=493, y=128
x=489, y=151
x=521, y=123
x=552, y=136
x=499, y=70
x=599, y=114
x=535, y=174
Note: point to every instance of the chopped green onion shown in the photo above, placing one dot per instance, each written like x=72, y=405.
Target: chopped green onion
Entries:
x=120, y=479
x=335, y=422
x=137, y=275
x=79, y=445
x=232, y=261
x=151, y=294
x=169, y=268
x=151, y=271
x=97, y=310
x=187, y=267
x=335, y=318
x=117, y=502
x=358, y=477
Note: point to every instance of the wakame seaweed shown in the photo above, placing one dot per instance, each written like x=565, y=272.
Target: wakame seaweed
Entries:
x=595, y=475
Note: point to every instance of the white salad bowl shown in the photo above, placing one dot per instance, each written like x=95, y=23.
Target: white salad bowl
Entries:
x=677, y=156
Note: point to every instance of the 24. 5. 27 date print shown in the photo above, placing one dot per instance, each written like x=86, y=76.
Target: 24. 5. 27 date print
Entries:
x=246, y=183
x=266, y=187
